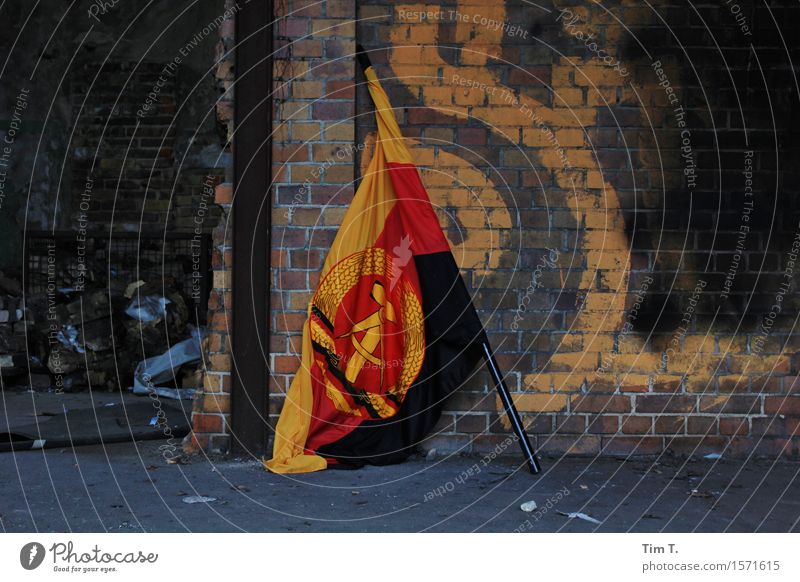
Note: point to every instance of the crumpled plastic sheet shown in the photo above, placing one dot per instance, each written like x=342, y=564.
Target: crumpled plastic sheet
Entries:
x=68, y=336
x=148, y=308
x=156, y=369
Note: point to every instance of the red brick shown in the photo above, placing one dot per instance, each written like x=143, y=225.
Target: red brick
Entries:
x=289, y=321
x=294, y=27
x=730, y=404
x=306, y=8
x=214, y=300
x=333, y=110
x=215, y=342
x=604, y=404
x=208, y=423
x=340, y=90
x=292, y=280
x=219, y=363
x=290, y=153
x=472, y=136
x=286, y=364
x=789, y=405
x=701, y=425
x=307, y=48
x=342, y=69
x=791, y=384
x=223, y=193
x=768, y=384
x=603, y=424
x=540, y=424
x=733, y=426
x=217, y=403
x=340, y=8
x=529, y=76
x=570, y=424
x=306, y=259
x=664, y=404
x=670, y=424
x=637, y=425
x=220, y=322
x=672, y=386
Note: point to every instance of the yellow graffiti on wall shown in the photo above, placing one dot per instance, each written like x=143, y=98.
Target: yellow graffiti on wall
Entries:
x=587, y=357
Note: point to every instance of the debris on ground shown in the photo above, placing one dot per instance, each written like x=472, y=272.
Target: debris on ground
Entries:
x=74, y=338
x=153, y=374
x=579, y=515
x=528, y=506
x=701, y=494
x=191, y=499
x=148, y=309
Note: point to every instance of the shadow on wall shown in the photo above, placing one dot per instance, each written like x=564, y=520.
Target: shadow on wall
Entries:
x=724, y=211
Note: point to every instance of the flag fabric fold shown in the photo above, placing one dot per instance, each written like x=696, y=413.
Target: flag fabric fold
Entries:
x=391, y=329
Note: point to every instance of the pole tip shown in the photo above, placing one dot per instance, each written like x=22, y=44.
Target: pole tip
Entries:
x=362, y=57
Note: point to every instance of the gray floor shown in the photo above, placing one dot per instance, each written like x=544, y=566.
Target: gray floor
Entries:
x=130, y=487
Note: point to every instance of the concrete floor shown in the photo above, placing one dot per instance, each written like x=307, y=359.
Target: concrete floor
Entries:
x=130, y=487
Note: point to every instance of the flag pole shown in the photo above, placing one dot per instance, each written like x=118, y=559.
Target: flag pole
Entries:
x=511, y=410
x=491, y=363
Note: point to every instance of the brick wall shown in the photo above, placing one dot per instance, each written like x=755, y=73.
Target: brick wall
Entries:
x=126, y=172
x=211, y=407
x=131, y=171
x=594, y=193
x=314, y=164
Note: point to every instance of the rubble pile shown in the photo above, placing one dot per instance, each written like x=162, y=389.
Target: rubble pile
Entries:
x=13, y=356
x=91, y=336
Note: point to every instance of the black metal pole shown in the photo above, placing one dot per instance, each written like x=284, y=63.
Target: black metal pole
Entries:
x=363, y=59
x=511, y=410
